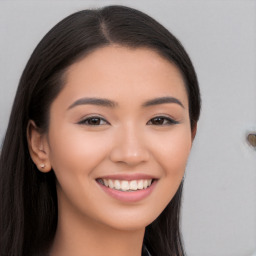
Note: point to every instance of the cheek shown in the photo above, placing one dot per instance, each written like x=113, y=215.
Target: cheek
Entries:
x=76, y=149
x=172, y=150
x=171, y=154
x=74, y=155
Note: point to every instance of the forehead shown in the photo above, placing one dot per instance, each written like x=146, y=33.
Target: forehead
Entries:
x=116, y=71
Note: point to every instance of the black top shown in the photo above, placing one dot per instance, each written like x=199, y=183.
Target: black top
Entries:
x=145, y=252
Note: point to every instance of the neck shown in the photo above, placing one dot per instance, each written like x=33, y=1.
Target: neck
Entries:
x=82, y=236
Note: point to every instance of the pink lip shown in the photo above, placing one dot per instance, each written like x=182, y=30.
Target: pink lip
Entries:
x=128, y=196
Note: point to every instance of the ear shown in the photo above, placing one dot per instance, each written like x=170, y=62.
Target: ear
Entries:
x=38, y=147
x=193, y=134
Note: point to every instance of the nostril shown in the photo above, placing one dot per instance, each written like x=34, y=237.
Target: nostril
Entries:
x=129, y=155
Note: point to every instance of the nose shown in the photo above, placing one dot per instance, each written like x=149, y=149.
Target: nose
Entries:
x=129, y=147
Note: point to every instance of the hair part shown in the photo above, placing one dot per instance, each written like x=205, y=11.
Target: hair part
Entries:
x=28, y=200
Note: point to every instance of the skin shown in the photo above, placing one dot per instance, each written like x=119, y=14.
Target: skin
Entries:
x=129, y=141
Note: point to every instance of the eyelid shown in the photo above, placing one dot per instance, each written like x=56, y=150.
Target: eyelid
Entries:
x=83, y=120
x=171, y=120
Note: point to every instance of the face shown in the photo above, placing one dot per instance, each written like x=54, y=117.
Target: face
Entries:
x=119, y=137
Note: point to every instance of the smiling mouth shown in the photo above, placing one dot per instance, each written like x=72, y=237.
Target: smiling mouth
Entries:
x=125, y=185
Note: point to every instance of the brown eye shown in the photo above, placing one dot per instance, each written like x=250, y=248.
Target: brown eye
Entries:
x=94, y=121
x=160, y=120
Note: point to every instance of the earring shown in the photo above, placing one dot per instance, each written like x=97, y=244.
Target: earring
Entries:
x=42, y=165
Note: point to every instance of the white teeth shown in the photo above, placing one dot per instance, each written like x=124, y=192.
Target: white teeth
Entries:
x=133, y=185
x=117, y=184
x=140, y=184
x=105, y=182
x=145, y=184
x=125, y=185
x=110, y=183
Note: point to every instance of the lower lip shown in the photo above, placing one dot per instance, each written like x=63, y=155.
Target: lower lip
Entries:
x=129, y=196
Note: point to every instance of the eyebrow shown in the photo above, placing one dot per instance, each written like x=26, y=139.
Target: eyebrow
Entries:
x=94, y=101
x=162, y=100
x=112, y=104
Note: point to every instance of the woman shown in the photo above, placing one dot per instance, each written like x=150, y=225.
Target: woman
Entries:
x=98, y=139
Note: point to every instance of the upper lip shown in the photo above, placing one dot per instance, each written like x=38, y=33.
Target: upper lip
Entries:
x=134, y=176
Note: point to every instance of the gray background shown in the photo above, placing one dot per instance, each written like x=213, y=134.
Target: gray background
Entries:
x=219, y=209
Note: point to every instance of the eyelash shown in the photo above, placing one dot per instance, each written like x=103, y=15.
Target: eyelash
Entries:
x=87, y=120
x=166, y=121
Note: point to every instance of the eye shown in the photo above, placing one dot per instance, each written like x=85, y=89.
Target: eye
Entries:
x=93, y=121
x=162, y=120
